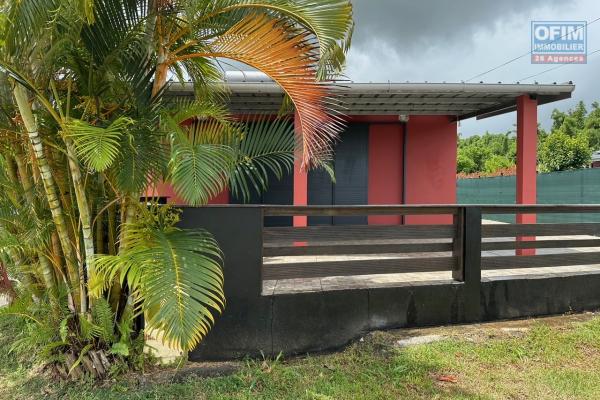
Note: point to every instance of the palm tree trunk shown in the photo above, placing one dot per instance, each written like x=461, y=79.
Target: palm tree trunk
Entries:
x=47, y=271
x=82, y=205
x=57, y=252
x=160, y=78
x=128, y=217
x=118, y=299
x=24, y=176
x=112, y=230
x=77, y=279
x=11, y=172
x=49, y=278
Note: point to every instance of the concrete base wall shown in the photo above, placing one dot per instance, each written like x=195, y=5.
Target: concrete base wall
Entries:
x=308, y=322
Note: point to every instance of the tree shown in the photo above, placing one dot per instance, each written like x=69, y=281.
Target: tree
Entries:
x=571, y=122
x=561, y=152
x=497, y=162
x=492, y=152
x=592, y=127
x=465, y=164
x=486, y=152
x=86, y=126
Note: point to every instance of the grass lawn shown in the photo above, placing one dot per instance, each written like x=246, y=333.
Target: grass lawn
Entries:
x=548, y=359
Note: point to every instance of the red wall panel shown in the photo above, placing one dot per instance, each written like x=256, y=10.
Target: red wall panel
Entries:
x=430, y=165
x=221, y=198
x=385, y=169
x=166, y=190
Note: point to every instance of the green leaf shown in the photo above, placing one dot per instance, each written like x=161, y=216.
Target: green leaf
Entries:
x=104, y=318
x=120, y=349
x=64, y=329
x=264, y=151
x=98, y=147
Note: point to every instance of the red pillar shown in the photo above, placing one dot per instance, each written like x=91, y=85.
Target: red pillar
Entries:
x=430, y=165
x=385, y=169
x=300, y=178
x=526, y=162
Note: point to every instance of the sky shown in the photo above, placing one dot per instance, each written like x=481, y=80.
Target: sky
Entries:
x=452, y=41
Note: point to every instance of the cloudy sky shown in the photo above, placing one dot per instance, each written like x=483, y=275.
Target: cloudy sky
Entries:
x=452, y=41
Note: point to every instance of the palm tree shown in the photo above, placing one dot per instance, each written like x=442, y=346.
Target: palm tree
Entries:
x=87, y=126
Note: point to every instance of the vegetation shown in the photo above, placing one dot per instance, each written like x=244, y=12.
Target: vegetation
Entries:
x=574, y=136
x=87, y=128
x=558, y=360
x=486, y=153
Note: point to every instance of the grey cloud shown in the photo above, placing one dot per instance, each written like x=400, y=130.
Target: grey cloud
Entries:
x=419, y=24
x=401, y=40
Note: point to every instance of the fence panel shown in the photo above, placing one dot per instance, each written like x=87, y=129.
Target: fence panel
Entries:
x=564, y=187
x=344, y=250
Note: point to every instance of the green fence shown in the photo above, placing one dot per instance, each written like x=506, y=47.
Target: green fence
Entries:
x=566, y=187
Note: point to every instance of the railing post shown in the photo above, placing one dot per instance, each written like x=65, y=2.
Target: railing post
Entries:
x=467, y=250
x=458, y=250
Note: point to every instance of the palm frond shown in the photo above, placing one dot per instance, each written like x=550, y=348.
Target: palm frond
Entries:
x=289, y=58
x=182, y=110
x=96, y=146
x=142, y=159
x=199, y=170
x=265, y=150
x=176, y=276
x=329, y=20
x=28, y=19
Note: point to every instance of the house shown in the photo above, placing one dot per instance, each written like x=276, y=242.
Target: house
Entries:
x=400, y=143
x=596, y=159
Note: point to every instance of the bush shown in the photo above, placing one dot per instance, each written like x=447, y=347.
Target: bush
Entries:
x=561, y=152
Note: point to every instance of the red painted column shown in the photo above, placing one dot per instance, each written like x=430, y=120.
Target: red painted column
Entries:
x=526, y=162
x=431, y=144
x=221, y=198
x=300, y=177
x=385, y=169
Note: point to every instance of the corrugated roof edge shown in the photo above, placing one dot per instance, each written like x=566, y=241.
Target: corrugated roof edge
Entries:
x=505, y=94
x=423, y=87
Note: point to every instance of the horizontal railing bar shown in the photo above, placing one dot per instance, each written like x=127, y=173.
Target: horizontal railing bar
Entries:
x=411, y=209
x=356, y=267
x=540, y=244
x=324, y=233
x=509, y=230
x=360, y=210
x=540, y=261
x=536, y=208
x=337, y=249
